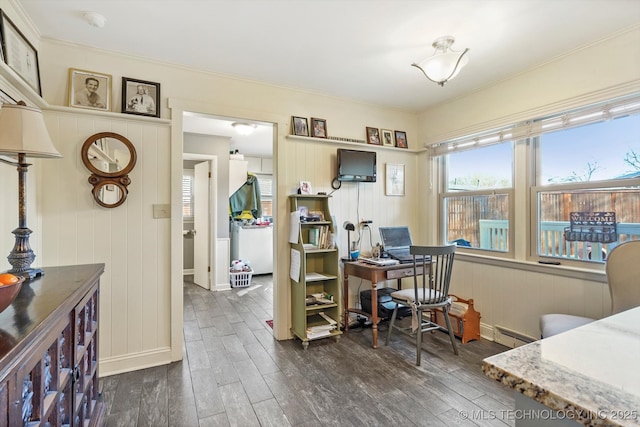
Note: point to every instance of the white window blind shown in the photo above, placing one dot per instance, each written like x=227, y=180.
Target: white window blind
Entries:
x=187, y=193
x=579, y=117
x=266, y=185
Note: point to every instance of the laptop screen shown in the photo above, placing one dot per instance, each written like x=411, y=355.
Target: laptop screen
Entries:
x=395, y=237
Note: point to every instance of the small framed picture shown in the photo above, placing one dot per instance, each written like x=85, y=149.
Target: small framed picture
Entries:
x=300, y=126
x=140, y=97
x=5, y=98
x=387, y=138
x=305, y=187
x=19, y=54
x=401, y=139
x=394, y=180
x=318, y=128
x=373, y=136
x=88, y=89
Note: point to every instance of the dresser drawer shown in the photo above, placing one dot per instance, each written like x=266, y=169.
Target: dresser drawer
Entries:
x=402, y=272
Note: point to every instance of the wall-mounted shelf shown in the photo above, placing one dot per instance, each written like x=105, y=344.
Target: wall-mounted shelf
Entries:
x=353, y=144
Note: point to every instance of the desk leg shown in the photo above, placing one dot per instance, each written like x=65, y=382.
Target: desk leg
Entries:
x=374, y=313
x=345, y=301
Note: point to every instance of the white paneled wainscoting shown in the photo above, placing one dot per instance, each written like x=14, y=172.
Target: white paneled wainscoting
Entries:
x=135, y=306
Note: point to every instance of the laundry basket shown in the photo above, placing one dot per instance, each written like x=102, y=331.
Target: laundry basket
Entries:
x=241, y=279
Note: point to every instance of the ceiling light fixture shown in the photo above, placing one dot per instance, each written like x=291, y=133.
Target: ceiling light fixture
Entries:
x=445, y=63
x=244, y=128
x=94, y=19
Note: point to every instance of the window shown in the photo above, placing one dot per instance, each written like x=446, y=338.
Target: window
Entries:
x=579, y=171
x=187, y=194
x=587, y=197
x=477, y=199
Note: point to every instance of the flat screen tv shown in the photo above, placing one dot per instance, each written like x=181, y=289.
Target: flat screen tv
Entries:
x=356, y=165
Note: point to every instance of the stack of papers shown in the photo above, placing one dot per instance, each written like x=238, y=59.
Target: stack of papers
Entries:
x=323, y=330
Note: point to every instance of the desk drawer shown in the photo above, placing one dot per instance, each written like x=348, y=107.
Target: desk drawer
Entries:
x=402, y=272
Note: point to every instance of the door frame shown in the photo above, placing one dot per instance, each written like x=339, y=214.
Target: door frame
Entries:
x=280, y=123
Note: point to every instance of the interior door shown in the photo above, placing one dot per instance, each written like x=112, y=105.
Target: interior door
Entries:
x=201, y=209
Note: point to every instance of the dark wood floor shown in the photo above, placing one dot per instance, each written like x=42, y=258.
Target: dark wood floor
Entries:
x=235, y=374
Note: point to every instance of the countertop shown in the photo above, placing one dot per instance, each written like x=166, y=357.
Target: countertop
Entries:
x=590, y=373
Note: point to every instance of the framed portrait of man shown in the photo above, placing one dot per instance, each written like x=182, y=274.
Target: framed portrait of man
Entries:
x=88, y=89
x=140, y=97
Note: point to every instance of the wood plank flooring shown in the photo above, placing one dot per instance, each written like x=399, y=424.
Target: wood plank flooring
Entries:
x=235, y=373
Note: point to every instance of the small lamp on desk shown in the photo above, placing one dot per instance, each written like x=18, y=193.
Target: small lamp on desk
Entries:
x=353, y=252
x=23, y=134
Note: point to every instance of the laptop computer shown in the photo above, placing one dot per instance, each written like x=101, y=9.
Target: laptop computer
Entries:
x=396, y=242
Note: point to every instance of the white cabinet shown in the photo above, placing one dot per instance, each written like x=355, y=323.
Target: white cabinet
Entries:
x=237, y=174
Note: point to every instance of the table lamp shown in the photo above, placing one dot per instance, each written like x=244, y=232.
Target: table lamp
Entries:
x=23, y=134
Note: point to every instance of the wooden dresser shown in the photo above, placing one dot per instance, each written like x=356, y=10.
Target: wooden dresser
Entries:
x=49, y=350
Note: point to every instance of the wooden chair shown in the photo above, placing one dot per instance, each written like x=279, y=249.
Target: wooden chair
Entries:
x=430, y=291
x=623, y=271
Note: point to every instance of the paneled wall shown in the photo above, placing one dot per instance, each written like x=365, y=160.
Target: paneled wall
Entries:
x=134, y=305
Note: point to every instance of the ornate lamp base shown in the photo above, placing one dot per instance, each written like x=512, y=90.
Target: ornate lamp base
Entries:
x=21, y=256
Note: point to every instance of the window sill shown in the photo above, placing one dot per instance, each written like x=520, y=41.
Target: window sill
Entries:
x=596, y=274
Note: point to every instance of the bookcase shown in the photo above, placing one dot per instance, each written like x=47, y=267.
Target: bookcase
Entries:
x=315, y=295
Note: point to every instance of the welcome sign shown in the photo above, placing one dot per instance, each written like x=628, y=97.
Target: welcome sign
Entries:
x=598, y=227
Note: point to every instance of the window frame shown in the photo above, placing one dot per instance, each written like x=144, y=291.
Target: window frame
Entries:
x=523, y=195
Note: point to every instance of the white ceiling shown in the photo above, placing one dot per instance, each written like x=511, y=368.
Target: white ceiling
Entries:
x=357, y=49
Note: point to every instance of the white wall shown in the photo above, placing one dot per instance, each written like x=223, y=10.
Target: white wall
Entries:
x=135, y=287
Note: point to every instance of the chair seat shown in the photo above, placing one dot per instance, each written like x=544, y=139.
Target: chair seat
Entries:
x=553, y=324
x=427, y=296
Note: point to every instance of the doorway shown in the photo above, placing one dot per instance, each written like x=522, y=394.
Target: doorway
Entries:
x=199, y=223
x=219, y=137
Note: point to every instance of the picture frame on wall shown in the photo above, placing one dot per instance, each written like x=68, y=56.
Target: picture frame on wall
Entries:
x=387, y=138
x=373, y=136
x=318, y=128
x=88, y=89
x=300, y=126
x=140, y=97
x=19, y=54
x=394, y=179
x=401, y=139
x=5, y=98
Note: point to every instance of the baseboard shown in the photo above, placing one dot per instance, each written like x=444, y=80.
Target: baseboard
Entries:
x=187, y=271
x=133, y=362
x=511, y=338
x=222, y=287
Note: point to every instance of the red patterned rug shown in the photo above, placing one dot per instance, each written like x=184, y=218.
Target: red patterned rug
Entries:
x=270, y=323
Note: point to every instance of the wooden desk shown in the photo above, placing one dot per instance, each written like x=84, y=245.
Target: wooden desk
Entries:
x=375, y=274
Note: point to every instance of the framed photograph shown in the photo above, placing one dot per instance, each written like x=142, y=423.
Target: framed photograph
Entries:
x=19, y=54
x=88, y=89
x=305, y=187
x=373, y=136
x=5, y=98
x=401, y=139
x=318, y=128
x=387, y=138
x=394, y=180
x=300, y=126
x=140, y=97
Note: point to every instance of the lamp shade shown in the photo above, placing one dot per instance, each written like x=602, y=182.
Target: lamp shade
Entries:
x=22, y=131
x=443, y=66
x=445, y=63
